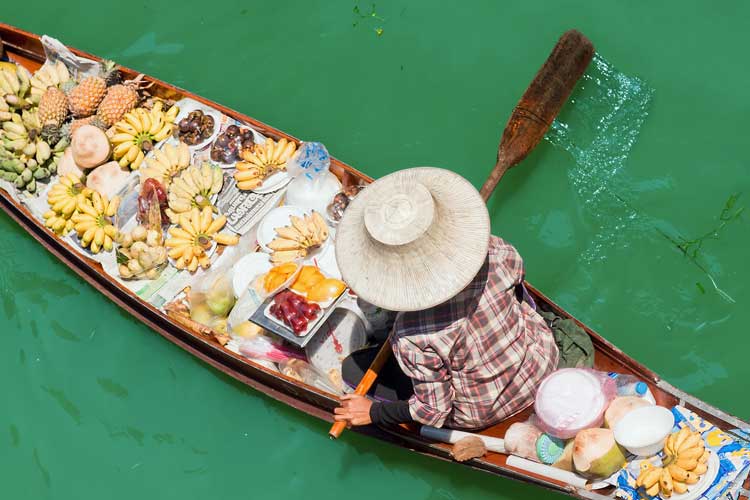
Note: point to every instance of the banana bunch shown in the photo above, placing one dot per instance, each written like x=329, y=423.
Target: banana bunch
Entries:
x=138, y=131
x=261, y=161
x=25, y=157
x=49, y=75
x=294, y=241
x=196, y=233
x=166, y=163
x=193, y=189
x=93, y=222
x=14, y=87
x=63, y=199
x=686, y=459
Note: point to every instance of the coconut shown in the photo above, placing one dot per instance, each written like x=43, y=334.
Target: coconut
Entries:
x=90, y=146
x=621, y=406
x=108, y=179
x=67, y=165
x=565, y=462
x=520, y=440
x=596, y=454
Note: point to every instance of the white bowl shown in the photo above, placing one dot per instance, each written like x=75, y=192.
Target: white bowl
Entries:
x=643, y=431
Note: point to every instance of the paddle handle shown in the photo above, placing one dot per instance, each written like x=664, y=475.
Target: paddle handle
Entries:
x=366, y=383
x=540, y=104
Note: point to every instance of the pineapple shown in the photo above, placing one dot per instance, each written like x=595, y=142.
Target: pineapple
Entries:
x=86, y=96
x=110, y=73
x=53, y=107
x=119, y=100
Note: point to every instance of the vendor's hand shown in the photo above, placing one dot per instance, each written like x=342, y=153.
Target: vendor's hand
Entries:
x=354, y=410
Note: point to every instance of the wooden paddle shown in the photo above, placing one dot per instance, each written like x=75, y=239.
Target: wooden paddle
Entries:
x=527, y=125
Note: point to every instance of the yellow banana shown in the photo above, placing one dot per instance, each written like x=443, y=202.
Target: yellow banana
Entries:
x=665, y=484
x=690, y=442
x=682, y=435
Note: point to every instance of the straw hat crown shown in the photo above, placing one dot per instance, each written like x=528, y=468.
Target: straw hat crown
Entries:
x=413, y=239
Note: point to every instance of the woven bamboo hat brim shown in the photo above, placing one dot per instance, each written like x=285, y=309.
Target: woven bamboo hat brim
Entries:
x=413, y=239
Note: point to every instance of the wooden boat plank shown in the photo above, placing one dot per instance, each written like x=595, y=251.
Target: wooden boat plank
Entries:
x=26, y=48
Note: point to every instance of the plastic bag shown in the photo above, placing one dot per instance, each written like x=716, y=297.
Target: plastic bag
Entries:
x=313, y=186
x=572, y=399
x=304, y=372
x=212, y=297
x=265, y=347
x=140, y=249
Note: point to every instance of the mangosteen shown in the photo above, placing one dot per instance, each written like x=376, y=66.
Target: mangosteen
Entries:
x=232, y=131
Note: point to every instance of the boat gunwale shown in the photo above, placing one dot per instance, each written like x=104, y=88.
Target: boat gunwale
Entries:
x=282, y=388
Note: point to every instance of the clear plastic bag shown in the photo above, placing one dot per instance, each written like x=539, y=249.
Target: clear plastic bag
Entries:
x=572, y=399
x=140, y=249
x=313, y=186
x=304, y=372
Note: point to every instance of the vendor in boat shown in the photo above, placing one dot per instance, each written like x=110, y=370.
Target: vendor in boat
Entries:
x=468, y=345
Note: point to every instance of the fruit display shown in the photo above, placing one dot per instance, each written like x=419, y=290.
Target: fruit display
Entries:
x=294, y=310
x=93, y=222
x=341, y=201
x=25, y=157
x=141, y=253
x=686, y=459
x=193, y=188
x=296, y=240
x=165, y=163
x=63, y=199
x=50, y=75
x=195, y=128
x=90, y=146
x=195, y=235
x=53, y=110
x=138, y=131
x=230, y=143
x=262, y=161
x=15, y=86
x=278, y=275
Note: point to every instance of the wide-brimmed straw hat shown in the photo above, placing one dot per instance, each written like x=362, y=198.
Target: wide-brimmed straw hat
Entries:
x=413, y=239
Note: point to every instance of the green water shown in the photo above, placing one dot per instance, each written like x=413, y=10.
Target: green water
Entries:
x=96, y=405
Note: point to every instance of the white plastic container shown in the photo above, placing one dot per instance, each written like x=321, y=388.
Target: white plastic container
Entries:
x=643, y=431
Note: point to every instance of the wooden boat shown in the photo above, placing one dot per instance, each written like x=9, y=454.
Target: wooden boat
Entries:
x=26, y=49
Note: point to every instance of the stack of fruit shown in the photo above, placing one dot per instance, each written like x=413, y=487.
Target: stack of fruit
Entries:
x=138, y=132
x=15, y=90
x=99, y=100
x=262, y=161
x=278, y=275
x=63, y=199
x=685, y=460
x=141, y=253
x=195, y=234
x=25, y=157
x=165, y=163
x=193, y=189
x=295, y=241
x=294, y=310
x=93, y=222
x=315, y=286
x=196, y=127
x=228, y=145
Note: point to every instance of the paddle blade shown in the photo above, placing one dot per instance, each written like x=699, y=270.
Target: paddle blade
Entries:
x=541, y=103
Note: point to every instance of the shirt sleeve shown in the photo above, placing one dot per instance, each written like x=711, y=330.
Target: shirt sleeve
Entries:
x=508, y=262
x=433, y=396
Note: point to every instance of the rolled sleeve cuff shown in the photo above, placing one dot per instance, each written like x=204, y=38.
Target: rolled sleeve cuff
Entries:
x=427, y=415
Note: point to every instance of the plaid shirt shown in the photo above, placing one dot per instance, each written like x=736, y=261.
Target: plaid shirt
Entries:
x=478, y=358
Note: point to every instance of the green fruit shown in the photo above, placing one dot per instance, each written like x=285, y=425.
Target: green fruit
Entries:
x=52, y=167
x=26, y=175
x=41, y=173
x=31, y=186
x=18, y=166
x=32, y=164
x=20, y=183
x=9, y=176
